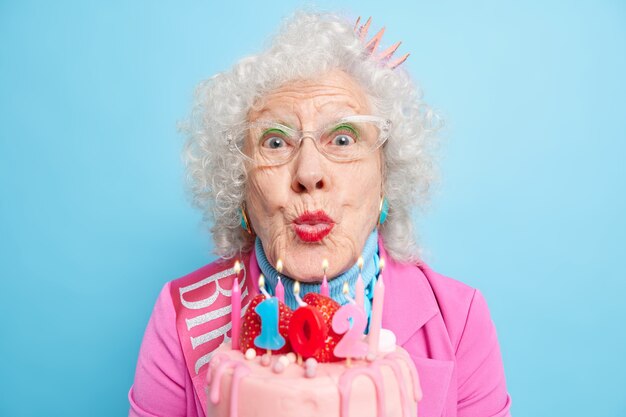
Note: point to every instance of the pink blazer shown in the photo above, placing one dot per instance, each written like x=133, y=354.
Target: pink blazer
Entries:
x=443, y=324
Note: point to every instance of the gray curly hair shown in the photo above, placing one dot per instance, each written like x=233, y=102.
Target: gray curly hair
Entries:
x=308, y=44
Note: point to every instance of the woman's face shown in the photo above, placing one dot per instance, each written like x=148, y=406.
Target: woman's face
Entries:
x=311, y=208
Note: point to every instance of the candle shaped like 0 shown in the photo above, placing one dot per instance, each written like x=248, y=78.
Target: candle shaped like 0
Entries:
x=377, y=312
x=280, y=289
x=235, y=307
x=307, y=329
x=324, y=287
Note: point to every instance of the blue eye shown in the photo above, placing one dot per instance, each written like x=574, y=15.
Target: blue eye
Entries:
x=274, y=139
x=274, y=142
x=343, y=140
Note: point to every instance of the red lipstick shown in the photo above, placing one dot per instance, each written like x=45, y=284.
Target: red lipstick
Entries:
x=313, y=226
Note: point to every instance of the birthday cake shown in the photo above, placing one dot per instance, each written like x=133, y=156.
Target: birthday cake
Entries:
x=310, y=373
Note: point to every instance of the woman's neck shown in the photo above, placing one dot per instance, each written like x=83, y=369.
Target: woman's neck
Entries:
x=335, y=284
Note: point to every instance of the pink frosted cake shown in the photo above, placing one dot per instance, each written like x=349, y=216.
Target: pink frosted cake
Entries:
x=387, y=386
x=282, y=384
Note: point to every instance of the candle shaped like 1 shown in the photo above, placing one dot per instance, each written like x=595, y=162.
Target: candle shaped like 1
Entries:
x=359, y=287
x=351, y=345
x=235, y=307
x=324, y=287
x=280, y=289
x=269, y=338
x=377, y=312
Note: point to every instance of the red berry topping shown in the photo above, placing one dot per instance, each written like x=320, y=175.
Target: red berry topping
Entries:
x=251, y=326
x=327, y=307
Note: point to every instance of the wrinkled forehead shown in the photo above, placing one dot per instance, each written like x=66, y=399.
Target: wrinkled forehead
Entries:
x=309, y=103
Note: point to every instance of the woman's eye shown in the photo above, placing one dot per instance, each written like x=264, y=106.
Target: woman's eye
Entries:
x=273, y=142
x=343, y=140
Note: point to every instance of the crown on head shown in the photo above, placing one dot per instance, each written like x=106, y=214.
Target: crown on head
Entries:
x=371, y=46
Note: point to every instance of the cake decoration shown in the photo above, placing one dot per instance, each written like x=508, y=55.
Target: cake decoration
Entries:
x=290, y=362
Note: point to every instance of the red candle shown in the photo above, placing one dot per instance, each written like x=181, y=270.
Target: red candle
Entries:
x=307, y=331
x=235, y=307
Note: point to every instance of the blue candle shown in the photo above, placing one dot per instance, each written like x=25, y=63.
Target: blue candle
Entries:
x=269, y=338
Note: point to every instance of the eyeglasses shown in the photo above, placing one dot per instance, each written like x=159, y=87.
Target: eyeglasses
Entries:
x=348, y=139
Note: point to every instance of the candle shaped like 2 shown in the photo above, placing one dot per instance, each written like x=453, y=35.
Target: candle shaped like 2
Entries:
x=350, y=319
x=269, y=338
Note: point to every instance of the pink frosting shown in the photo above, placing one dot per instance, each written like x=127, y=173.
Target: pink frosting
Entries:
x=336, y=390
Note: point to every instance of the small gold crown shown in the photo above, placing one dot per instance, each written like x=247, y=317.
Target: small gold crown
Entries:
x=371, y=46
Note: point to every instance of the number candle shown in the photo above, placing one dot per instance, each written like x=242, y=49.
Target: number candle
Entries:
x=324, y=288
x=377, y=312
x=351, y=345
x=280, y=290
x=307, y=331
x=359, y=287
x=269, y=338
x=235, y=307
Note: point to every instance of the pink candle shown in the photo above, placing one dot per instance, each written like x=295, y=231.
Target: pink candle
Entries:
x=280, y=290
x=235, y=306
x=324, y=288
x=359, y=288
x=377, y=312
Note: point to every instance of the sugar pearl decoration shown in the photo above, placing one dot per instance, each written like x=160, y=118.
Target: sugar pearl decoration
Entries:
x=250, y=354
x=266, y=360
x=310, y=368
x=284, y=360
x=279, y=367
x=387, y=341
x=292, y=357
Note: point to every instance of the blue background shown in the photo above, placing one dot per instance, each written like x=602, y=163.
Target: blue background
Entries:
x=94, y=220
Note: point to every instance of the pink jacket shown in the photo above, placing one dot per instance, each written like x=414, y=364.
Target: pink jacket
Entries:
x=443, y=324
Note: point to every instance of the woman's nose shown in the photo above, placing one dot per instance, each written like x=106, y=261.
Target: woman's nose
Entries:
x=309, y=168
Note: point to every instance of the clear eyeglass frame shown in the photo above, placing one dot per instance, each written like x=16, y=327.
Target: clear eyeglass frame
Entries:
x=368, y=133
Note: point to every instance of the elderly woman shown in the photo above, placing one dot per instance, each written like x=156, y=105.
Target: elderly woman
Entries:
x=317, y=149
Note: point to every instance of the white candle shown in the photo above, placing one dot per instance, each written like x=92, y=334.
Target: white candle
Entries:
x=262, y=286
x=296, y=293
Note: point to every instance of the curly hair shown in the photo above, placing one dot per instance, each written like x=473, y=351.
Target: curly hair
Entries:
x=309, y=44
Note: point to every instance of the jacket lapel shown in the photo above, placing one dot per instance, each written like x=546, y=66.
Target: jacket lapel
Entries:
x=409, y=300
x=410, y=307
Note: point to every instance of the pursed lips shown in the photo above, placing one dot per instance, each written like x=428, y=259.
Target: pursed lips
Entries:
x=313, y=226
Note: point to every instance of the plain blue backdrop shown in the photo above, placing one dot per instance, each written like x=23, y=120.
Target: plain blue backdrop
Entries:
x=94, y=220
